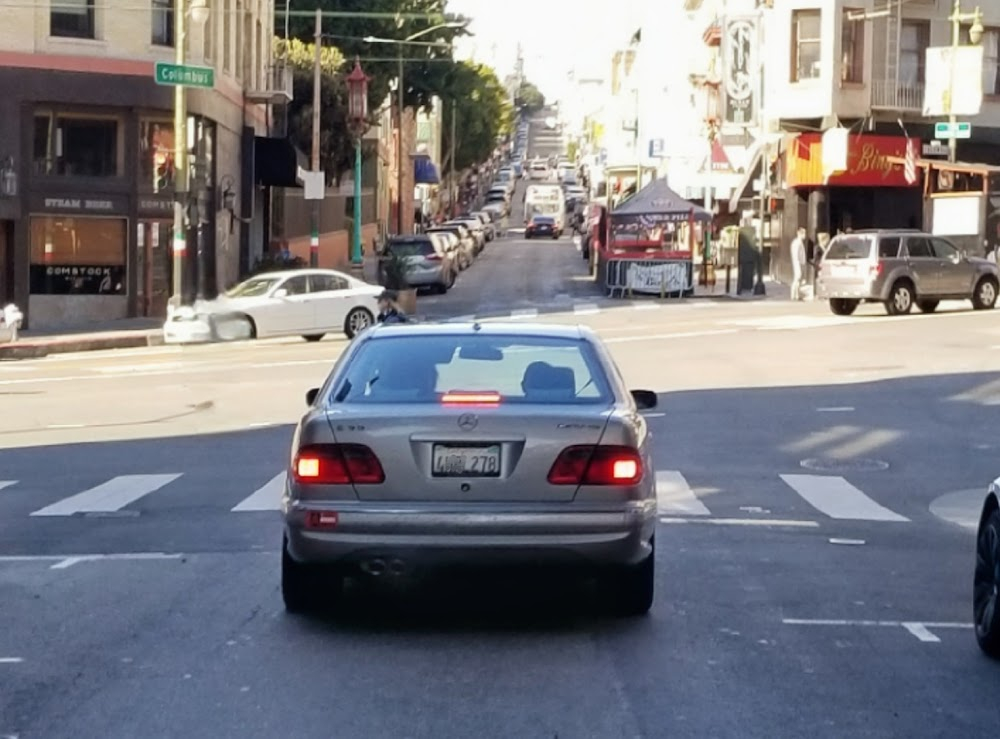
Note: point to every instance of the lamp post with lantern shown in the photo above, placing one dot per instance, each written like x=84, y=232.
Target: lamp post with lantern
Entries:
x=357, y=114
x=957, y=18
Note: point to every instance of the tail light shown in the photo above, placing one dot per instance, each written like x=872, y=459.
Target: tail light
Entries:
x=597, y=465
x=337, y=464
x=433, y=257
x=875, y=270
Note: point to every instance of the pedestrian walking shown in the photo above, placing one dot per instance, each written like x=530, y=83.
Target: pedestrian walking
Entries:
x=798, y=250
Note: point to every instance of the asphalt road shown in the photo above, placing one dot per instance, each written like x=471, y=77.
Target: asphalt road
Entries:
x=809, y=580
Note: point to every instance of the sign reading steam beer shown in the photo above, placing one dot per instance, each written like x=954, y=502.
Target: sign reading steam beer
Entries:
x=740, y=71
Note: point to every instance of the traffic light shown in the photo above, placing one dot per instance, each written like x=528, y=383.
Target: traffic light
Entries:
x=162, y=174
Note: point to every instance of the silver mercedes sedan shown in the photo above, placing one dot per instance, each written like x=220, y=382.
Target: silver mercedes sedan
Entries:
x=471, y=444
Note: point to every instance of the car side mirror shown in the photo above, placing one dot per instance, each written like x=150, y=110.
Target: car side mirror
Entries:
x=645, y=399
x=311, y=396
x=282, y=293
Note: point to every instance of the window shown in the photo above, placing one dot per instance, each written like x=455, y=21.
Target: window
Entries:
x=77, y=256
x=991, y=61
x=298, y=285
x=72, y=19
x=253, y=288
x=914, y=38
x=77, y=145
x=852, y=49
x=156, y=155
x=420, y=369
x=163, y=22
x=849, y=247
x=919, y=247
x=806, y=60
x=888, y=247
x=944, y=250
x=326, y=283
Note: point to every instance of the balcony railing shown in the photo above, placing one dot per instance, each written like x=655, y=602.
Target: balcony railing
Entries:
x=276, y=86
x=897, y=96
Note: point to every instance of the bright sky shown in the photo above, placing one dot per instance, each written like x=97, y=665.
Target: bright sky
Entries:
x=557, y=36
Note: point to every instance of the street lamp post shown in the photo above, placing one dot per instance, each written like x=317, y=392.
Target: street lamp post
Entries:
x=182, y=198
x=957, y=18
x=357, y=113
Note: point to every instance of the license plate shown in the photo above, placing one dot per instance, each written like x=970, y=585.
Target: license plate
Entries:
x=466, y=461
x=843, y=271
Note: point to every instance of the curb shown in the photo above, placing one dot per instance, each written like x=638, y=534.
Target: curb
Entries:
x=35, y=349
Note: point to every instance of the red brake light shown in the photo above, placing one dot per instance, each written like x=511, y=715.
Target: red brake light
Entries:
x=597, y=465
x=337, y=464
x=457, y=397
x=875, y=270
x=433, y=257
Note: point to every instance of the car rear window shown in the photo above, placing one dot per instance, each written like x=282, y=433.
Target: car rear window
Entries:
x=849, y=247
x=411, y=247
x=521, y=369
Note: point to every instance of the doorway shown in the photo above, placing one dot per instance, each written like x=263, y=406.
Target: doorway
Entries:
x=6, y=262
x=154, y=267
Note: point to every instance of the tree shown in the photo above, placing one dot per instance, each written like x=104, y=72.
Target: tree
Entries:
x=336, y=145
x=529, y=97
x=482, y=114
x=425, y=65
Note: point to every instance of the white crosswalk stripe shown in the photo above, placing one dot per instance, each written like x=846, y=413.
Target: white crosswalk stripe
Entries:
x=586, y=309
x=524, y=313
x=833, y=497
x=837, y=498
x=267, y=498
x=675, y=497
x=109, y=496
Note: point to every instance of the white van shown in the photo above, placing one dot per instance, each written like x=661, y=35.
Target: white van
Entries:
x=547, y=200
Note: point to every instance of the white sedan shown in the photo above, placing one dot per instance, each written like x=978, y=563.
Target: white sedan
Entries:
x=303, y=302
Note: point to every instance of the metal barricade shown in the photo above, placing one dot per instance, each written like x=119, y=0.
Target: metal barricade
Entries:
x=625, y=277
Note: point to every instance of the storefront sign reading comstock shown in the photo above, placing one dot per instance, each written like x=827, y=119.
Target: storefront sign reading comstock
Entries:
x=739, y=69
x=77, y=279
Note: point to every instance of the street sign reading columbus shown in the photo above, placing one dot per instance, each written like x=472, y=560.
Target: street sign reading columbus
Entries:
x=184, y=75
x=739, y=69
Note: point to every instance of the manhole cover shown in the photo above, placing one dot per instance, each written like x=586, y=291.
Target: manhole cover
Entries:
x=844, y=465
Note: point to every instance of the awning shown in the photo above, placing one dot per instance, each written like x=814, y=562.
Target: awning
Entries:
x=425, y=172
x=276, y=162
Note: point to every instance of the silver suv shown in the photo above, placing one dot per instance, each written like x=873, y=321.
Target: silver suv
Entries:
x=899, y=268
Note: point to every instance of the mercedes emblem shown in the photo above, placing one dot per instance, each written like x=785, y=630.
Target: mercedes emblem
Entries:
x=467, y=421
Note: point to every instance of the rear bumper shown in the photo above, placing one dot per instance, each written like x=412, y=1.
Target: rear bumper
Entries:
x=850, y=290
x=473, y=535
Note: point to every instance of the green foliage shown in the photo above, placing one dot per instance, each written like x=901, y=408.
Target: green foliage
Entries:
x=424, y=66
x=482, y=113
x=530, y=97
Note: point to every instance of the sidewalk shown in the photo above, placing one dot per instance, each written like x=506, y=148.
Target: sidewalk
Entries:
x=124, y=334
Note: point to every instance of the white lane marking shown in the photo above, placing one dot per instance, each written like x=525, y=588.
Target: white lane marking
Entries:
x=674, y=495
x=921, y=632
x=524, y=313
x=11, y=660
x=67, y=562
x=112, y=368
x=66, y=426
x=261, y=424
x=848, y=542
x=586, y=309
x=654, y=415
x=7, y=483
x=836, y=409
x=645, y=306
x=837, y=498
x=109, y=496
x=267, y=498
x=763, y=522
x=685, y=335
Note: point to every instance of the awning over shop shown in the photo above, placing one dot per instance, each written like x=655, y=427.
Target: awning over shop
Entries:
x=425, y=172
x=276, y=162
x=657, y=203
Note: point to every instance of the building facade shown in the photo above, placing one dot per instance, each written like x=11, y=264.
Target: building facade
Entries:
x=85, y=236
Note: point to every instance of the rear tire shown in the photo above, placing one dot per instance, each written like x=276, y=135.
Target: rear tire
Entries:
x=630, y=588
x=308, y=588
x=985, y=599
x=357, y=321
x=843, y=306
x=928, y=306
x=985, y=295
x=900, y=300
x=313, y=337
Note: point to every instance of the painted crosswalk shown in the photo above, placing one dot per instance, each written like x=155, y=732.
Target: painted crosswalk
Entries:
x=681, y=496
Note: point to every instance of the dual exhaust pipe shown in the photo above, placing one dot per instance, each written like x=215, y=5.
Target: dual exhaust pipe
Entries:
x=378, y=567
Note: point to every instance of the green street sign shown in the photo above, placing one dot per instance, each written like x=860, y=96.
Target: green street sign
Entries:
x=958, y=131
x=184, y=75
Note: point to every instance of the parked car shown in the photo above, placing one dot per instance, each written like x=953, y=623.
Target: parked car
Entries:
x=539, y=225
x=986, y=579
x=304, y=302
x=900, y=268
x=429, y=264
x=487, y=221
x=476, y=227
x=471, y=444
x=467, y=242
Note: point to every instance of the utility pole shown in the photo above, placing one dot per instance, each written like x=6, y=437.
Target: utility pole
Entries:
x=180, y=157
x=317, y=74
x=451, y=186
x=399, y=145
